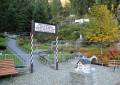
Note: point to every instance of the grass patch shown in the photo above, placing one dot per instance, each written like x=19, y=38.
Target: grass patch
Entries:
x=26, y=47
x=6, y=54
x=24, y=44
x=61, y=57
x=43, y=46
x=2, y=42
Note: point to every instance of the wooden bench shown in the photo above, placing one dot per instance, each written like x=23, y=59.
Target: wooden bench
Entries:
x=114, y=63
x=7, y=67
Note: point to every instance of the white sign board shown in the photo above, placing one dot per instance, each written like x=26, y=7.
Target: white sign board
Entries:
x=81, y=20
x=39, y=27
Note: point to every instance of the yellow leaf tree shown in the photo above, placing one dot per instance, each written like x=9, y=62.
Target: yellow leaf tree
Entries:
x=103, y=26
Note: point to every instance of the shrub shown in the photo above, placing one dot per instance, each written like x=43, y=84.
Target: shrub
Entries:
x=90, y=51
x=96, y=51
x=2, y=47
x=2, y=44
x=2, y=35
x=117, y=57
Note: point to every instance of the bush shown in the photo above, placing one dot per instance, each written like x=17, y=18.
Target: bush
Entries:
x=2, y=35
x=96, y=51
x=26, y=47
x=2, y=47
x=105, y=57
x=24, y=43
x=90, y=51
x=117, y=57
x=2, y=44
x=61, y=57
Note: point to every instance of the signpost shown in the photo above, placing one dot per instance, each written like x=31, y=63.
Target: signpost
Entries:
x=31, y=56
x=39, y=27
x=56, y=54
x=47, y=28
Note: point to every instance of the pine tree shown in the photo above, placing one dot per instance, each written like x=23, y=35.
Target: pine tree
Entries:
x=4, y=4
x=40, y=11
x=56, y=8
x=81, y=7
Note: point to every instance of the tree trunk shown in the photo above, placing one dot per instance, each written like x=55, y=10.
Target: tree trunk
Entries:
x=101, y=49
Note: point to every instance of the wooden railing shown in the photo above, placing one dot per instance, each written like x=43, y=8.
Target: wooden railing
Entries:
x=114, y=63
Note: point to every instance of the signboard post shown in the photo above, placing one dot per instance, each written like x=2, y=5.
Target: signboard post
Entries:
x=56, y=54
x=31, y=55
x=47, y=28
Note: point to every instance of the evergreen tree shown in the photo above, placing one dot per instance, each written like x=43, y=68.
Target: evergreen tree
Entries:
x=4, y=4
x=56, y=8
x=81, y=7
x=40, y=12
x=16, y=15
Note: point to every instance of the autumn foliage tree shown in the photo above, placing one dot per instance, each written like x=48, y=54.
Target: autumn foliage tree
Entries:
x=103, y=26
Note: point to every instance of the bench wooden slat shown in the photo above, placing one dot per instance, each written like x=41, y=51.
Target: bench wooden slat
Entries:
x=7, y=67
x=8, y=71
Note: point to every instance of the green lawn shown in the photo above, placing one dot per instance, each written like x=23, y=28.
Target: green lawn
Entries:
x=61, y=57
x=26, y=47
x=24, y=44
x=8, y=55
x=44, y=46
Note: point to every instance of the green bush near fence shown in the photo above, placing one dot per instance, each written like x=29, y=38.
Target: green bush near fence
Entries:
x=6, y=54
x=24, y=43
x=43, y=46
x=2, y=43
x=26, y=47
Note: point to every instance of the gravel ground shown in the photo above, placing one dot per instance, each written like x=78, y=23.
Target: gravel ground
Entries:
x=44, y=75
x=102, y=75
x=47, y=76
